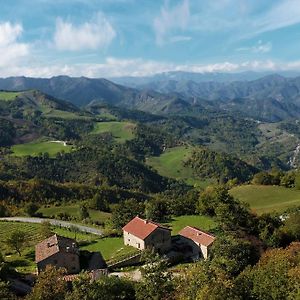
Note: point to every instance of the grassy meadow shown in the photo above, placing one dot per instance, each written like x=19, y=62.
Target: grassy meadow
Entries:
x=61, y=114
x=202, y=222
x=266, y=198
x=121, y=131
x=170, y=164
x=8, y=96
x=73, y=211
x=36, y=147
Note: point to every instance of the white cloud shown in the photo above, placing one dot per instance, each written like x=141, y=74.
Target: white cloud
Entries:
x=259, y=47
x=98, y=33
x=171, y=19
x=113, y=67
x=283, y=14
x=180, y=38
x=11, y=51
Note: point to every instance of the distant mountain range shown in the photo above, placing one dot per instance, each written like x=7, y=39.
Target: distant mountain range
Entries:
x=137, y=82
x=270, y=98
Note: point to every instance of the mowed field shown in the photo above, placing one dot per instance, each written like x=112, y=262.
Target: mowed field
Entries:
x=8, y=96
x=37, y=147
x=121, y=131
x=265, y=199
x=170, y=164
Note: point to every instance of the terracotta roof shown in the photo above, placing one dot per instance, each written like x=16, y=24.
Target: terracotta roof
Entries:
x=142, y=228
x=53, y=245
x=197, y=235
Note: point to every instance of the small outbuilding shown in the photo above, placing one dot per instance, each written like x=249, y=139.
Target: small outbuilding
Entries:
x=145, y=234
x=199, y=241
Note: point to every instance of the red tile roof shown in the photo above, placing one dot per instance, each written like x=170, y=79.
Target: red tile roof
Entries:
x=142, y=228
x=197, y=235
x=53, y=245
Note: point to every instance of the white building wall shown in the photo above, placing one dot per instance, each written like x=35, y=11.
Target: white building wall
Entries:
x=133, y=241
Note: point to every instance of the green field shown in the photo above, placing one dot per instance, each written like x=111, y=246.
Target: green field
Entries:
x=68, y=115
x=37, y=147
x=121, y=131
x=202, y=222
x=170, y=164
x=265, y=198
x=8, y=96
x=73, y=211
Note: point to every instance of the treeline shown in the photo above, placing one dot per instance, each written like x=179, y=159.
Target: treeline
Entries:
x=276, y=177
x=45, y=192
x=86, y=165
x=210, y=164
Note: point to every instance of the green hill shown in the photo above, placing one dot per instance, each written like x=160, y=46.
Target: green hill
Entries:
x=170, y=164
x=121, y=131
x=266, y=198
x=37, y=147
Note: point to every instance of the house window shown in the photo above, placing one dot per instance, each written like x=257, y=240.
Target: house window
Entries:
x=128, y=240
x=139, y=245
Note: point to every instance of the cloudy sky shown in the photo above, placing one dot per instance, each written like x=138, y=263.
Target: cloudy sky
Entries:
x=106, y=38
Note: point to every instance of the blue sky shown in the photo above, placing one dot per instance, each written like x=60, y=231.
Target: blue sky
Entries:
x=106, y=38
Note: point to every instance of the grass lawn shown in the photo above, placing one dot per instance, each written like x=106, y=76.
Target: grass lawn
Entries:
x=36, y=147
x=111, y=248
x=73, y=210
x=265, y=199
x=202, y=222
x=121, y=131
x=8, y=96
x=170, y=164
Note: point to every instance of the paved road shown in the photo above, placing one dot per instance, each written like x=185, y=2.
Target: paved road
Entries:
x=55, y=223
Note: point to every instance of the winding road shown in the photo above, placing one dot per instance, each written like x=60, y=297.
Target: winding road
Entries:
x=54, y=222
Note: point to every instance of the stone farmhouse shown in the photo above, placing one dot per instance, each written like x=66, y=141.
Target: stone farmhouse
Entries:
x=58, y=251
x=144, y=234
x=199, y=242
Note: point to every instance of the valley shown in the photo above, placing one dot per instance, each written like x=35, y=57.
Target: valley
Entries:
x=99, y=164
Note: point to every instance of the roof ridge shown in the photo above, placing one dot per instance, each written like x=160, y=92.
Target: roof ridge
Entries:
x=205, y=232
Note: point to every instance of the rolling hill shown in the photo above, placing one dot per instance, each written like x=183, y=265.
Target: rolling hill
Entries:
x=270, y=98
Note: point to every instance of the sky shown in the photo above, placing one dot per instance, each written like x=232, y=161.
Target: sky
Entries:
x=112, y=38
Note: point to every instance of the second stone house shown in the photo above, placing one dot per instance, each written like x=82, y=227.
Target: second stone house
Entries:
x=144, y=234
x=58, y=251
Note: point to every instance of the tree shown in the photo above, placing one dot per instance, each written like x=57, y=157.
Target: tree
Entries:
x=17, y=240
x=126, y=210
x=275, y=277
x=292, y=225
x=99, y=203
x=49, y=285
x=156, y=281
x=232, y=255
x=45, y=230
x=31, y=208
x=84, y=213
x=106, y=288
x=156, y=210
x=3, y=210
x=5, y=293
